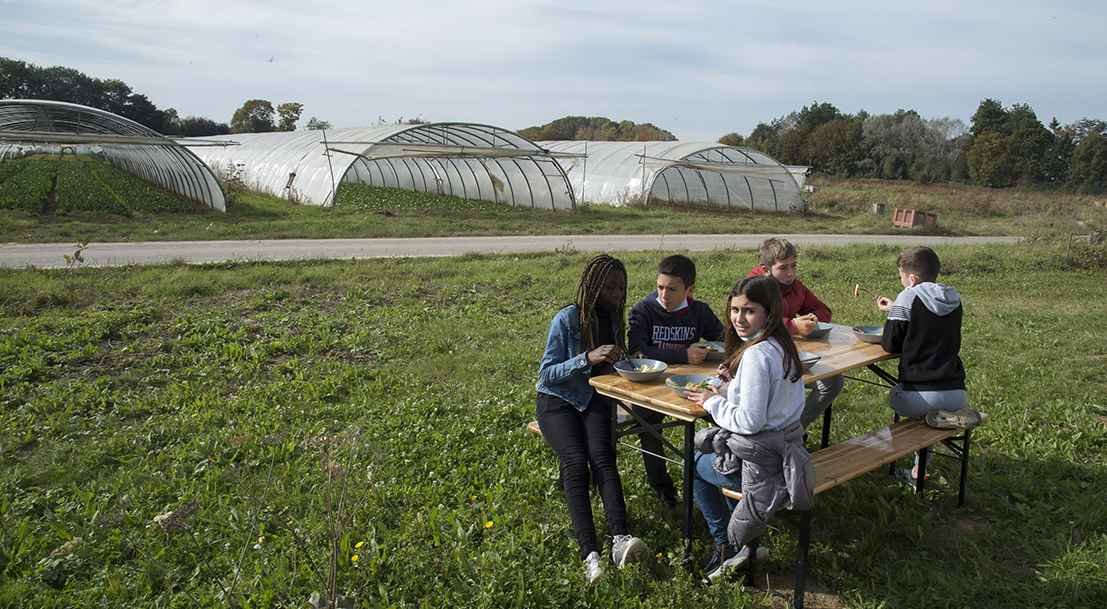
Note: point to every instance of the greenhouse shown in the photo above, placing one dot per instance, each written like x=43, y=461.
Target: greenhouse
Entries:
x=32, y=126
x=679, y=173
x=470, y=161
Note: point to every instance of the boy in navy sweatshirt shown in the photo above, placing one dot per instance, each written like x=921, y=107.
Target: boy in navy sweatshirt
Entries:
x=667, y=326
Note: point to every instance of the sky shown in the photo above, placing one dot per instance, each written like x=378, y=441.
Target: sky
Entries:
x=699, y=69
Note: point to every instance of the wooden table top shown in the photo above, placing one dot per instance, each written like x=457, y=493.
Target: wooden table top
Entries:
x=840, y=351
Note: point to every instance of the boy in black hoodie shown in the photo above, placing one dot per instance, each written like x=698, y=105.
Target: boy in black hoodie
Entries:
x=667, y=326
x=924, y=326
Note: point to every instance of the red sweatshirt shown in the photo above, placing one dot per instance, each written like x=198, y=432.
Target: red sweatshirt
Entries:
x=798, y=300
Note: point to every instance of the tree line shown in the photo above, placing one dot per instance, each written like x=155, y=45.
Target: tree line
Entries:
x=1003, y=147
x=21, y=80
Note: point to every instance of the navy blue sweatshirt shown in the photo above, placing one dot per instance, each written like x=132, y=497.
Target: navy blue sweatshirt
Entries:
x=664, y=336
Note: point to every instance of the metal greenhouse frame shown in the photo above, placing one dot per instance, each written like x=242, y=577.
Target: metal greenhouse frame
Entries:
x=471, y=161
x=681, y=173
x=33, y=126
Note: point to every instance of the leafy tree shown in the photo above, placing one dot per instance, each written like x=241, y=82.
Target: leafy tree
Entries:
x=992, y=160
x=1032, y=142
x=905, y=146
x=837, y=146
x=794, y=147
x=255, y=116
x=1088, y=172
x=317, y=125
x=818, y=114
x=732, y=139
x=990, y=117
x=766, y=138
x=20, y=80
x=596, y=129
x=288, y=113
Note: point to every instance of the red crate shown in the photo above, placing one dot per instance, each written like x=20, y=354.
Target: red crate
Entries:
x=911, y=218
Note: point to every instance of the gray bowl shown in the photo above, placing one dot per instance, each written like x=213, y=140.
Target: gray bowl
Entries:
x=869, y=334
x=677, y=382
x=629, y=369
x=719, y=350
x=808, y=359
x=821, y=329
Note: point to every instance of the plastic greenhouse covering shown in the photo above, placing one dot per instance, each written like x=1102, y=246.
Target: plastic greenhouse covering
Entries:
x=470, y=161
x=681, y=173
x=32, y=126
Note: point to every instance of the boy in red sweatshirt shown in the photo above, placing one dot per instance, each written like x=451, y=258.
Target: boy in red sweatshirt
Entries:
x=802, y=311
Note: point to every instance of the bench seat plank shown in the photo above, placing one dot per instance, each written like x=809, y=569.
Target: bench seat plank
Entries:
x=847, y=460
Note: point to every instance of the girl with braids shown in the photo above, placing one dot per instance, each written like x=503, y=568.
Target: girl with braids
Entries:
x=757, y=447
x=585, y=338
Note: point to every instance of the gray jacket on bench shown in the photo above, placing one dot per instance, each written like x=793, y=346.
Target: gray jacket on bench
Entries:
x=776, y=474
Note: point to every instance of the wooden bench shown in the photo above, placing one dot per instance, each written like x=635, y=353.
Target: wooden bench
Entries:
x=847, y=460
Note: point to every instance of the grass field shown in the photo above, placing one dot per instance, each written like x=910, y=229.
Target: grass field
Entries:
x=181, y=436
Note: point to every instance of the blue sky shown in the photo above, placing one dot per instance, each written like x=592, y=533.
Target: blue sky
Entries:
x=699, y=69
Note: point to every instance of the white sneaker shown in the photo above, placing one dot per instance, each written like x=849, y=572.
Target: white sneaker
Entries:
x=592, y=568
x=626, y=549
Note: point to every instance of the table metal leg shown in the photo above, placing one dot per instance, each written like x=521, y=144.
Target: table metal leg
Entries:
x=689, y=465
x=826, y=426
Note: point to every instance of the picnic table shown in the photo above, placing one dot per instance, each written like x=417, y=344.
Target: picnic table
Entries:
x=840, y=352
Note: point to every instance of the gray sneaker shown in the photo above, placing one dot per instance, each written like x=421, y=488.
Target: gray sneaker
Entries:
x=592, y=568
x=626, y=549
x=738, y=560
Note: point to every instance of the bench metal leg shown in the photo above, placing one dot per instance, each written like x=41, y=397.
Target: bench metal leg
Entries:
x=920, y=475
x=964, y=468
x=801, y=557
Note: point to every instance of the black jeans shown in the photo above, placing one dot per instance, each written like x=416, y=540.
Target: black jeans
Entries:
x=584, y=440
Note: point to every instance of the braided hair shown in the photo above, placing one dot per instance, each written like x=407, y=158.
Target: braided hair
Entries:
x=588, y=292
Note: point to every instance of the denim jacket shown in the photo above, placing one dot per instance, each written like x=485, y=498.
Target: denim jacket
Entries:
x=564, y=371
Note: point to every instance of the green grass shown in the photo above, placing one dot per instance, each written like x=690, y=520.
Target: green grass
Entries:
x=255, y=389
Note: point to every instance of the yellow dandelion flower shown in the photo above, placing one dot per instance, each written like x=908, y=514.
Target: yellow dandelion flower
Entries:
x=353, y=558
x=359, y=544
x=488, y=525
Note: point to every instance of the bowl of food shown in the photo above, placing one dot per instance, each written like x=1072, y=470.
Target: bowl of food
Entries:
x=679, y=382
x=868, y=334
x=821, y=329
x=808, y=359
x=640, y=370
x=715, y=350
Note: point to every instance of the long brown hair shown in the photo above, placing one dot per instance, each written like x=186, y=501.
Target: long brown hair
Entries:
x=588, y=292
x=765, y=291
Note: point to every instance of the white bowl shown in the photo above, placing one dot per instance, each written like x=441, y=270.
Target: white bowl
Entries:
x=821, y=329
x=716, y=350
x=869, y=334
x=630, y=369
x=808, y=359
x=677, y=382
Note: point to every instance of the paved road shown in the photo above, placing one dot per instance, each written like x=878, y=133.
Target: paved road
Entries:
x=52, y=255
